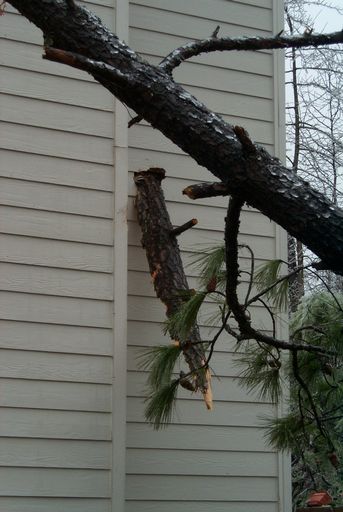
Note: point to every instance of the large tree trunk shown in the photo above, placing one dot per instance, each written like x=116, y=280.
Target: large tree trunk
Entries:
x=152, y=93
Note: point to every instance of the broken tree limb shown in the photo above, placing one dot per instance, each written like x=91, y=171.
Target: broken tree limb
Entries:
x=263, y=181
x=166, y=268
x=202, y=190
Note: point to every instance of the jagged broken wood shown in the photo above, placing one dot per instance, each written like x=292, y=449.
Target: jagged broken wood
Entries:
x=262, y=180
x=166, y=268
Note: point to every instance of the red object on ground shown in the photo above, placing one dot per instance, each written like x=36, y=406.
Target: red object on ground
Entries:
x=319, y=498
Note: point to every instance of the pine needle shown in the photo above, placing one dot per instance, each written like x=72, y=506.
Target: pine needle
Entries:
x=261, y=373
x=160, y=361
x=284, y=434
x=161, y=404
x=181, y=323
x=320, y=310
x=266, y=276
x=211, y=263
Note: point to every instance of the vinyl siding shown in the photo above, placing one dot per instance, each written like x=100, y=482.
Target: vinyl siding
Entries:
x=219, y=460
x=56, y=281
x=62, y=240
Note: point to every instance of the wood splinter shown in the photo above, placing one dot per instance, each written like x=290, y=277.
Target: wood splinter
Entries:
x=181, y=229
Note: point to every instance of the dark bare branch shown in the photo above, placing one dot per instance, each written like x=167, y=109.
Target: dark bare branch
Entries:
x=202, y=190
x=238, y=310
x=215, y=44
x=181, y=229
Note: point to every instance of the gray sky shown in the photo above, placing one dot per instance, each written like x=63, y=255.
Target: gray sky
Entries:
x=326, y=20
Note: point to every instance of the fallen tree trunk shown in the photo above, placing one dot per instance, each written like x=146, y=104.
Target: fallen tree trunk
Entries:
x=246, y=169
x=166, y=268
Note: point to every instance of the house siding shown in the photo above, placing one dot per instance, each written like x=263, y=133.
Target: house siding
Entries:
x=65, y=154
x=204, y=460
x=56, y=279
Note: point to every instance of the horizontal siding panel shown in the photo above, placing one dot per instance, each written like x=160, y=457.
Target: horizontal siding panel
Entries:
x=234, y=104
x=60, y=226
x=67, y=90
x=53, y=281
x=57, y=253
x=67, y=396
x=55, y=367
x=58, y=171
x=176, y=165
x=197, y=240
x=219, y=10
x=26, y=504
x=223, y=365
x=24, y=55
x=194, y=412
x=168, y=22
x=17, y=504
x=56, y=143
x=267, y=4
x=251, y=221
x=225, y=389
x=145, y=137
x=55, y=310
x=45, y=196
x=28, y=111
x=138, y=263
x=54, y=482
x=17, y=27
x=140, y=284
x=143, y=334
x=201, y=488
x=196, y=506
x=152, y=310
x=50, y=424
x=196, y=437
x=204, y=462
x=55, y=338
x=50, y=453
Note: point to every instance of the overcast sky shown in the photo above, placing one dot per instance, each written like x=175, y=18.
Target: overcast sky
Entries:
x=326, y=20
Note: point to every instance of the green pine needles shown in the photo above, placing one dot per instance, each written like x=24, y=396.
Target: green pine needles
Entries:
x=162, y=388
x=182, y=322
x=260, y=372
x=268, y=277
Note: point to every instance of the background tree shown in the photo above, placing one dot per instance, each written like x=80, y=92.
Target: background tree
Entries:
x=314, y=125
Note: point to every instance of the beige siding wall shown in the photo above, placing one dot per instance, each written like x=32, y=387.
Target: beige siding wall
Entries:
x=56, y=300
x=204, y=461
x=62, y=151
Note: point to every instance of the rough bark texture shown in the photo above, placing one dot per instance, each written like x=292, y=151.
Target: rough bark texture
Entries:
x=165, y=264
x=152, y=93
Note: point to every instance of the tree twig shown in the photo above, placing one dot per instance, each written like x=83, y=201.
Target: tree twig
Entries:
x=185, y=227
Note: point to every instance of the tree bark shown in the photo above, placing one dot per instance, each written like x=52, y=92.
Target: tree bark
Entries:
x=261, y=179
